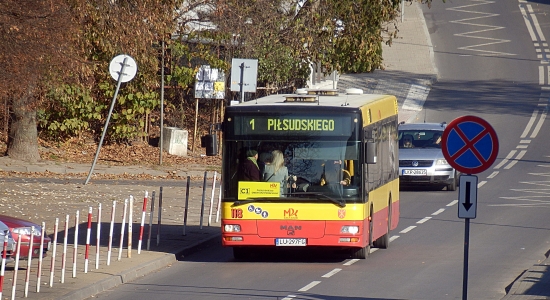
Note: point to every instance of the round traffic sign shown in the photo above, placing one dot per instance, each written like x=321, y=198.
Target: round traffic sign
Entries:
x=116, y=67
x=469, y=144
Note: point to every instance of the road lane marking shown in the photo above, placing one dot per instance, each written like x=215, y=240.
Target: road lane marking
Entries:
x=351, y=262
x=493, y=175
x=423, y=220
x=506, y=159
x=529, y=26
x=407, y=229
x=482, y=183
x=539, y=125
x=437, y=212
x=309, y=286
x=530, y=124
x=452, y=203
x=515, y=161
x=329, y=274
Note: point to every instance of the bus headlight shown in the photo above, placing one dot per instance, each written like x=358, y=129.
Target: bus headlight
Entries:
x=350, y=229
x=232, y=228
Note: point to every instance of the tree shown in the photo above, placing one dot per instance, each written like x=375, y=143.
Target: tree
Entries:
x=45, y=45
x=35, y=45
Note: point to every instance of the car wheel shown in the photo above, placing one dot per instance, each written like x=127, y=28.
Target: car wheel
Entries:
x=452, y=186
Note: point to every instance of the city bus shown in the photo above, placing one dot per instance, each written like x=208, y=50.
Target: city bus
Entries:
x=352, y=134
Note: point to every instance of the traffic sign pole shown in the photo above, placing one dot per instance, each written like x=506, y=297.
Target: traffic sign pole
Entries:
x=470, y=145
x=466, y=250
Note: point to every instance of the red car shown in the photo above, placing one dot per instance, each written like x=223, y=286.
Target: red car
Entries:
x=22, y=227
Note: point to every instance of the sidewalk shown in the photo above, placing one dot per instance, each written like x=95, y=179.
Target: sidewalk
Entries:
x=409, y=73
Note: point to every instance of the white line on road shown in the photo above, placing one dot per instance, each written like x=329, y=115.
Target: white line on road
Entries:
x=493, y=175
x=452, y=203
x=482, y=183
x=407, y=229
x=437, y=212
x=515, y=161
x=351, y=262
x=423, y=220
x=309, y=286
x=505, y=160
x=539, y=124
x=530, y=124
x=329, y=274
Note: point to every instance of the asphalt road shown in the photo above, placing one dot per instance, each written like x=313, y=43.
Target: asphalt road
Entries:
x=488, y=66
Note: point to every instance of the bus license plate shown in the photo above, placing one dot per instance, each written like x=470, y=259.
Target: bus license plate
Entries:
x=415, y=172
x=290, y=242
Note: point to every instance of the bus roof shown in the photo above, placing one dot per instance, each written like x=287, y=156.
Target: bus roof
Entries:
x=372, y=107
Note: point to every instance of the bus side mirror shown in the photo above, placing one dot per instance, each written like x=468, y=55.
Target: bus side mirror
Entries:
x=210, y=142
x=370, y=155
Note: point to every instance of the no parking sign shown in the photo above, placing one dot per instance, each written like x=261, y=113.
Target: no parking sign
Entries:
x=469, y=144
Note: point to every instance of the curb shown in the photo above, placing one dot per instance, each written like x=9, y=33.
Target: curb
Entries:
x=135, y=272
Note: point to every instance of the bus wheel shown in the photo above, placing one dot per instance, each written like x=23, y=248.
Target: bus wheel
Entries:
x=361, y=253
x=383, y=242
x=240, y=253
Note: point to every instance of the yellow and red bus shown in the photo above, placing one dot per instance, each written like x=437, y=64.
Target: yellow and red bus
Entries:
x=356, y=131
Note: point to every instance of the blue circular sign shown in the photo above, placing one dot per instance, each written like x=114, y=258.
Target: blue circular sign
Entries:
x=469, y=144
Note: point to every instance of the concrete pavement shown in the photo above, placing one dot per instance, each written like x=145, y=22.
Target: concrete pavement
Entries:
x=409, y=73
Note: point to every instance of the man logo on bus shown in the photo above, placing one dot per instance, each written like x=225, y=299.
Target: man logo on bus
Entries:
x=290, y=230
x=291, y=213
x=341, y=213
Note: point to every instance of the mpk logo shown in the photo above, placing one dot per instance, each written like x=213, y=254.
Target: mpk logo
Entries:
x=291, y=213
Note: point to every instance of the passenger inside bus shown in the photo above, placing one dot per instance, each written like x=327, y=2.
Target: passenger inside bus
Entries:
x=249, y=169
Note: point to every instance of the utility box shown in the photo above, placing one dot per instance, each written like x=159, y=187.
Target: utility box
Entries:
x=175, y=140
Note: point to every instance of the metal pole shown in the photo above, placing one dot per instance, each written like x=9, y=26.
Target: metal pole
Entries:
x=242, y=81
x=466, y=246
x=161, y=105
x=159, y=220
x=186, y=204
x=108, y=118
x=202, y=202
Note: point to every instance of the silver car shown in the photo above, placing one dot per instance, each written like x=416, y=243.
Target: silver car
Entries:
x=10, y=249
x=421, y=161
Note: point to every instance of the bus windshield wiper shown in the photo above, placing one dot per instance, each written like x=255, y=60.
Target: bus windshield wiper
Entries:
x=339, y=202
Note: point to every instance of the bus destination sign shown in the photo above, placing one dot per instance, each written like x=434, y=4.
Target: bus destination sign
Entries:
x=284, y=125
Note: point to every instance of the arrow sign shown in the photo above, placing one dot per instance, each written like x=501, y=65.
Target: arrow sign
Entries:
x=467, y=197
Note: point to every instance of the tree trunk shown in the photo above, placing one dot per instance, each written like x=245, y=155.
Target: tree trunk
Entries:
x=23, y=138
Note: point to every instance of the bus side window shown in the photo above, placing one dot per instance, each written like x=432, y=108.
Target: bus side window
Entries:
x=370, y=155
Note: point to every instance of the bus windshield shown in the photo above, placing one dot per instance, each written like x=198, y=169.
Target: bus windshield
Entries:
x=317, y=170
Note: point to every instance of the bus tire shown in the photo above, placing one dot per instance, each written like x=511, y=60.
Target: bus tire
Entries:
x=383, y=242
x=361, y=253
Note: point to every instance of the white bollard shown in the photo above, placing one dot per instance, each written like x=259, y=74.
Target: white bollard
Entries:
x=29, y=260
x=98, y=236
x=40, y=257
x=75, y=248
x=122, y=229
x=219, y=204
x=142, y=221
x=64, y=256
x=110, y=246
x=52, y=264
x=3, y=270
x=130, y=225
x=16, y=268
x=212, y=198
x=88, y=236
